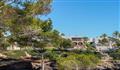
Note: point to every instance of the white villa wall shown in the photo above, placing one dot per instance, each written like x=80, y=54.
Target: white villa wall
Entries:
x=13, y=48
x=103, y=48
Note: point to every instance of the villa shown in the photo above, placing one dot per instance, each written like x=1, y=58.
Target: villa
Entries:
x=101, y=47
x=78, y=42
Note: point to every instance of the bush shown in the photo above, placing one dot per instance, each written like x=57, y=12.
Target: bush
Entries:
x=83, y=61
x=115, y=54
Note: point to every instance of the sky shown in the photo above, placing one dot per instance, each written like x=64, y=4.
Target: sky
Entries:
x=85, y=17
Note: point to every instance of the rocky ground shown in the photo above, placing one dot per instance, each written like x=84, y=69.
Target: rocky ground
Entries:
x=34, y=63
x=25, y=64
x=107, y=63
x=14, y=64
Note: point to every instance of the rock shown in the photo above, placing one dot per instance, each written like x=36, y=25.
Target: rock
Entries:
x=3, y=56
x=27, y=54
x=23, y=65
x=13, y=64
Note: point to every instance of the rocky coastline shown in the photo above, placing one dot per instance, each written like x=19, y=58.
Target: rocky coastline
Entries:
x=35, y=64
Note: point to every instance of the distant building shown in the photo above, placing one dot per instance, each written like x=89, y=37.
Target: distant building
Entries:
x=78, y=42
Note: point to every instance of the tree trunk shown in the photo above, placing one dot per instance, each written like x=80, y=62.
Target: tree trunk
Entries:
x=43, y=66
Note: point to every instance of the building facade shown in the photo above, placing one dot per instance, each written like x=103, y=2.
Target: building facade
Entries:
x=102, y=47
x=78, y=42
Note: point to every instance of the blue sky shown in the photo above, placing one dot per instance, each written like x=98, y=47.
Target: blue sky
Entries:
x=85, y=17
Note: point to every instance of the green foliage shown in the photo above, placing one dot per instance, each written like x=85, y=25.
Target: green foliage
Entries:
x=115, y=54
x=54, y=37
x=52, y=55
x=104, y=39
x=14, y=54
x=18, y=53
x=65, y=43
x=68, y=63
x=88, y=60
x=1, y=35
x=116, y=41
x=46, y=26
x=72, y=60
x=25, y=24
x=80, y=61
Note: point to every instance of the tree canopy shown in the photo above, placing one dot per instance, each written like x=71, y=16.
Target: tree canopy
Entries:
x=22, y=19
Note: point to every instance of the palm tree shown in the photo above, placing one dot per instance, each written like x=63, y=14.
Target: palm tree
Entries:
x=103, y=36
x=116, y=34
x=104, y=39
